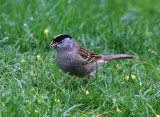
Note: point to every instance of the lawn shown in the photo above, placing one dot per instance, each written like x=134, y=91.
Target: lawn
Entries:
x=31, y=84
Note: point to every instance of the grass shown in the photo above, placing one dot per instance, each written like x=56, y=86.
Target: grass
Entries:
x=36, y=86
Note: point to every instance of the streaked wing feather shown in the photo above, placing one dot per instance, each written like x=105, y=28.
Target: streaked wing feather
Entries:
x=88, y=56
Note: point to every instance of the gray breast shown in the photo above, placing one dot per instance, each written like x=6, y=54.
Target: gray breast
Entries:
x=68, y=63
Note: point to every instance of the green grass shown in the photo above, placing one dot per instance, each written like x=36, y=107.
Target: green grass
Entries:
x=105, y=26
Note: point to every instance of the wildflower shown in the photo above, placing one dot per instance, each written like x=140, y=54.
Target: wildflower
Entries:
x=157, y=115
x=25, y=25
x=57, y=101
x=46, y=31
x=118, y=110
x=39, y=102
x=39, y=57
x=153, y=52
x=36, y=111
x=23, y=60
x=114, y=101
x=126, y=78
x=147, y=34
x=87, y=92
x=44, y=97
x=133, y=77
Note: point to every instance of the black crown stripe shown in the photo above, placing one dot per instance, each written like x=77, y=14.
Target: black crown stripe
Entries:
x=61, y=37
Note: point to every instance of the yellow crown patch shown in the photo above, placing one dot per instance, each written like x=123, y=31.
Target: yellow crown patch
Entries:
x=57, y=35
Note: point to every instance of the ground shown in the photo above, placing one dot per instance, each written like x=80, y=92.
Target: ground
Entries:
x=31, y=84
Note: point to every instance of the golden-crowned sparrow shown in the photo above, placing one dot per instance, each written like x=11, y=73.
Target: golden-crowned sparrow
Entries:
x=78, y=61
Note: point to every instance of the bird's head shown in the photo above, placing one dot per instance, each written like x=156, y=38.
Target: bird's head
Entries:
x=62, y=42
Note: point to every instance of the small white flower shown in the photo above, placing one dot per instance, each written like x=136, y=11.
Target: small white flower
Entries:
x=87, y=92
x=39, y=57
x=25, y=24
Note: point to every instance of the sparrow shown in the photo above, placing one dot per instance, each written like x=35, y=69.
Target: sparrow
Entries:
x=76, y=60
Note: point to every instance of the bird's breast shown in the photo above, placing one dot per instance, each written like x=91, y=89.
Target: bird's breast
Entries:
x=69, y=63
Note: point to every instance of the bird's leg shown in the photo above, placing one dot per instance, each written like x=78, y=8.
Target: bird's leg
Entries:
x=71, y=79
x=90, y=79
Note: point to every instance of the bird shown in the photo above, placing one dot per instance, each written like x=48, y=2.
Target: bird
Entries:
x=78, y=61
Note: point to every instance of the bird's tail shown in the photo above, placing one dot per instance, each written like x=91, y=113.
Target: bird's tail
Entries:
x=118, y=56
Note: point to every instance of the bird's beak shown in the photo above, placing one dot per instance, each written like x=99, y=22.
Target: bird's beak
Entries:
x=52, y=44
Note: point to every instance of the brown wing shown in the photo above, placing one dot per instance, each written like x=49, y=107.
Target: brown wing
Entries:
x=87, y=55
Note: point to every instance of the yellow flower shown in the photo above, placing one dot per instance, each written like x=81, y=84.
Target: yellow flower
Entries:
x=118, y=110
x=147, y=34
x=23, y=60
x=39, y=102
x=157, y=115
x=126, y=78
x=46, y=31
x=87, y=92
x=133, y=77
x=114, y=101
x=39, y=57
x=57, y=101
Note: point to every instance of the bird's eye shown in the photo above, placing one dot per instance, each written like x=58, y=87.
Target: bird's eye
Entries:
x=61, y=40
